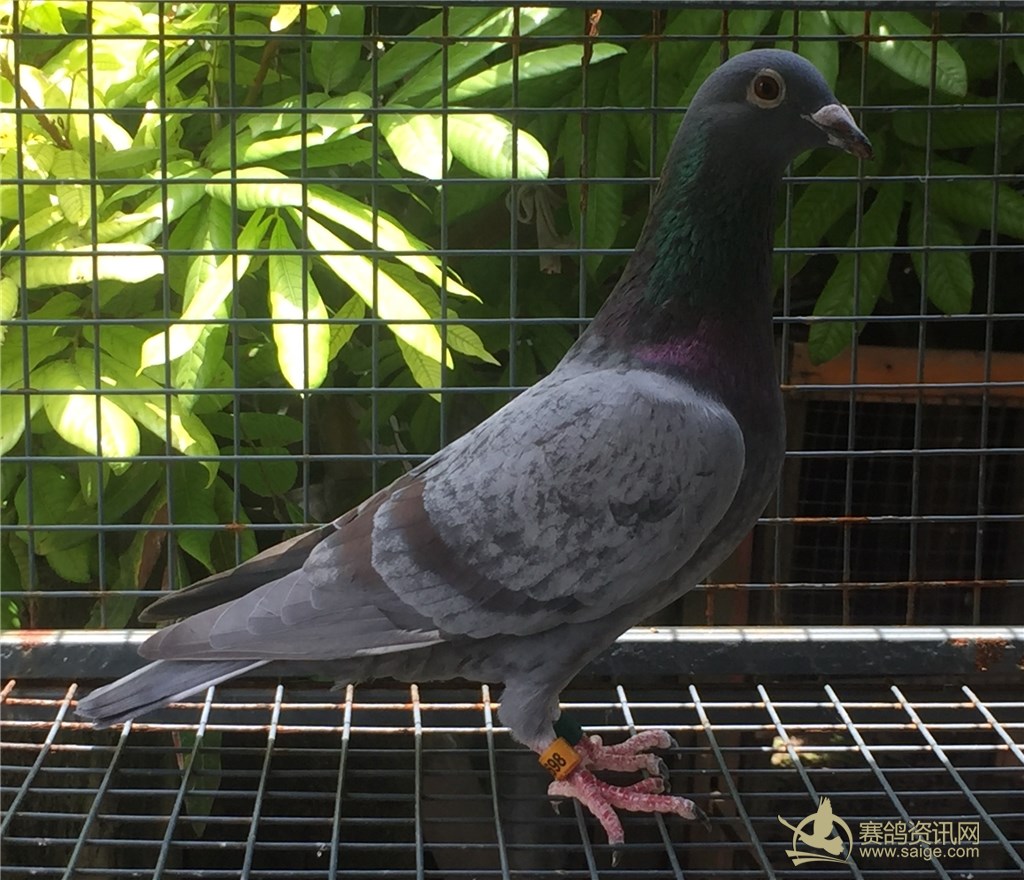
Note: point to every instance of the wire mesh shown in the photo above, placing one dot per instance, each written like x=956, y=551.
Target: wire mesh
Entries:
x=903, y=476
x=290, y=783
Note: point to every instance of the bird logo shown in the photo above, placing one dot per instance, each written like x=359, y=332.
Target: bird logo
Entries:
x=828, y=834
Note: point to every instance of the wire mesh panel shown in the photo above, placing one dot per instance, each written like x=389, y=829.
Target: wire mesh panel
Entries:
x=261, y=258
x=275, y=783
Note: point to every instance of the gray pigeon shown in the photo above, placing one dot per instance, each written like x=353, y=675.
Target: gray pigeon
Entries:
x=524, y=548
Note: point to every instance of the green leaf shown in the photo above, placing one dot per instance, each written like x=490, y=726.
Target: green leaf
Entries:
x=409, y=54
x=485, y=143
x=104, y=262
x=155, y=410
x=970, y=201
x=394, y=304
x=196, y=367
x=12, y=416
x=301, y=334
x=75, y=199
x=457, y=336
x=823, y=54
x=531, y=65
x=269, y=477
x=416, y=140
x=956, y=127
x=215, y=288
x=352, y=309
x=334, y=60
x=947, y=279
x=911, y=59
x=859, y=279
x=54, y=493
x=463, y=55
x=73, y=564
x=426, y=372
x=285, y=15
x=358, y=218
x=607, y=141
x=74, y=416
x=818, y=208
x=8, y=304
x=192, y=504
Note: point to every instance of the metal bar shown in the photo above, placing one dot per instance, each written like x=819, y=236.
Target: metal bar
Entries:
x=666, y=838
x=996, y=724
x=698, y=650
x=492, y=771
x=794, y=756
x=70, y=870
x=944, y=760
x=869, y=757
x=417, y=720
x=346, y=735
x=727, y=775
x=44, y=750
x=257, y=807
x=186, y=779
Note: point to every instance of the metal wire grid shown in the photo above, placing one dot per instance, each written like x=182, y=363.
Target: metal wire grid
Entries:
x=422, y=783
x=987, y=324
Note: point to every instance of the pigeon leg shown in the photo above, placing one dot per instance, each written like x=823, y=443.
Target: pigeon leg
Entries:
x=629, y=756
x=645, y=796
x=602, y=799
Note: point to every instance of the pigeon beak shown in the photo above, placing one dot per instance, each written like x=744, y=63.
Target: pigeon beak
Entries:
x=840, y=129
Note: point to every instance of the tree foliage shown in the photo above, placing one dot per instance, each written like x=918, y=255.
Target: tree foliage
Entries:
x=236, y=198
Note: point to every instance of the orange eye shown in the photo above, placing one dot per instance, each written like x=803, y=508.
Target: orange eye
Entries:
x=766, y=88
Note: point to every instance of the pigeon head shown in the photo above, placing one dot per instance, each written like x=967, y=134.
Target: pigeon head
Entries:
x=773, y=105
x=700, y=277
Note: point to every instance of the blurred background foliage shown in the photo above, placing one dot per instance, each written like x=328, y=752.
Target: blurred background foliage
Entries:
x=245, y=162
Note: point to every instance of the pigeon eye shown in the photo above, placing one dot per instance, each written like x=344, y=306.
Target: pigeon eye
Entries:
x=767, y=89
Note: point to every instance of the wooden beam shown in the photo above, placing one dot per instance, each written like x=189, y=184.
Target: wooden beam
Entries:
x=891, y=374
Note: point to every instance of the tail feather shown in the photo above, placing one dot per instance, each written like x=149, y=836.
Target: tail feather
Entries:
x=156, y=685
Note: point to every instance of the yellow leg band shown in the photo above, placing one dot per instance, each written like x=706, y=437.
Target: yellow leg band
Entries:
x=559, y=758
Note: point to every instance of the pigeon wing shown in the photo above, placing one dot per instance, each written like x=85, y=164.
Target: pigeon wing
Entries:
x=567, y=505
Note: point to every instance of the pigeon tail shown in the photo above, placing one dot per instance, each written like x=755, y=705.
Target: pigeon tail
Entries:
x=157, y=685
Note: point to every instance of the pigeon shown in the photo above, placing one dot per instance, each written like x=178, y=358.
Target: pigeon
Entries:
x=524, y=548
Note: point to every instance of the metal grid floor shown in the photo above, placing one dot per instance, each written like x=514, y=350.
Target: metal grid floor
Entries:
x=284, y=781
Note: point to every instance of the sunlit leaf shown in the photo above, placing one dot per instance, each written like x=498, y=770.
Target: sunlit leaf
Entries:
x=407, y=55
x=110, y=432
x=358, y=218
x=461, y=56
x=82, y=265
x=394, y=304
x=352, y=309
x=416, y=140
x=158, y=412
x=301, y=334
x=489, y=145
x=75, y=199
x=285, y=15
x=531, y=65
x=216, y=287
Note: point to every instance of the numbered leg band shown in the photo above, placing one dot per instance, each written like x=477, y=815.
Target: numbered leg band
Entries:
x=559, y=758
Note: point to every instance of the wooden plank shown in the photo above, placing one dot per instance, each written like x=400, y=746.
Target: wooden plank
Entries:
x=890, y=374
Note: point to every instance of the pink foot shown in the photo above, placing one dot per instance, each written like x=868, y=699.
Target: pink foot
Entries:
x=645, y=796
